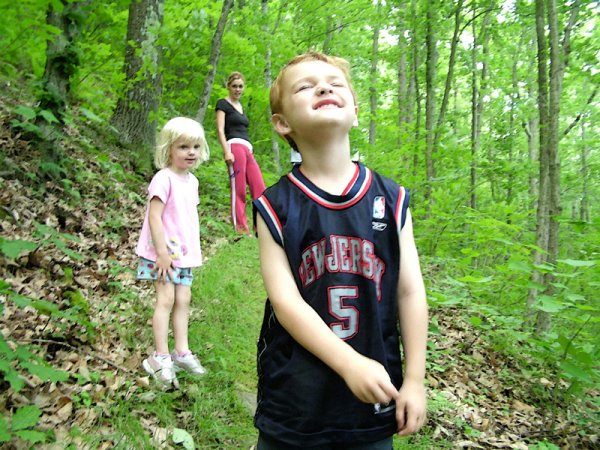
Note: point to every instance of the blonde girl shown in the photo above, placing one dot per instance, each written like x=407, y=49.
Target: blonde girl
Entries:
x=169, y=245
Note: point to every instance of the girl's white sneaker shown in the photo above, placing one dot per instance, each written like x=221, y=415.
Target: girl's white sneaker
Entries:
x=187, y=362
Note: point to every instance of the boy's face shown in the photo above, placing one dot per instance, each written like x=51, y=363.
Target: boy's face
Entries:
x=314, y=95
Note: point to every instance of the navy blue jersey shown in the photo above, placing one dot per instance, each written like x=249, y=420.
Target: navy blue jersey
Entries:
x=344, y=253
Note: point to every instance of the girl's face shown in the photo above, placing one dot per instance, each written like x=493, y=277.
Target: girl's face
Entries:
x=236, y=88
x=184, y=155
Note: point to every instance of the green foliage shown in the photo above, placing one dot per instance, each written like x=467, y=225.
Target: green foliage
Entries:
x=23, y=421
x=12, y=249
x=50, y=236
x=30, y=120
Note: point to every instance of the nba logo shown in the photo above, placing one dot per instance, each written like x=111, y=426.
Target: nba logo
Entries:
x=379, y=207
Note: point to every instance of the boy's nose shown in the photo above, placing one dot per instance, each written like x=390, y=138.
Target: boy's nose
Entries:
x=324, y=90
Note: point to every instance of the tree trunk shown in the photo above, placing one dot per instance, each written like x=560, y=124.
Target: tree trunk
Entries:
x=542, y=227
x=414, y=88
x=135, y=114
x=450, y=75
x=550, y=89
x=61, y=58
x=268, y=78
x=430, y=73
x=584, y=209
x=476, y=110
x=373, y=78
x=213, y=60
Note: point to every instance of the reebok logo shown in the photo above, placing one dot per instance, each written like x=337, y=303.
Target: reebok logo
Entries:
x=379, y=226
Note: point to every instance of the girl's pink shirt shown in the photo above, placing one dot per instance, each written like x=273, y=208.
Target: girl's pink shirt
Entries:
x=180, y=219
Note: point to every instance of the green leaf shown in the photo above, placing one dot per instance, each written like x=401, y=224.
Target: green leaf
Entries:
x=575, y=372
x=184, y=438
x=437, y=298
x=20, y=300
x=32, y=436
x=46, y=373
x=26, y=112
x=544, y=267
x=26, y=417
x=48, y=116
x=472, y=279
x=475, y=320
x=520, y=266
x=15, y=380
x=4, y=433
x=577, y=262
x=13, y=249
x=90, y=115
x=549, y=304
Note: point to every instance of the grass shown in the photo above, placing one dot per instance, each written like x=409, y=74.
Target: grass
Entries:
x=228, y=302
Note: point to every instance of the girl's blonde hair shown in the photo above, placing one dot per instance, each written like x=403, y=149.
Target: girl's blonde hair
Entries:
x=180, y=127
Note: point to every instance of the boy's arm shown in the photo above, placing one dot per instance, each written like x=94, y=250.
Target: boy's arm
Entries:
x=412, y=309
x=163, y=260
x=366, y=378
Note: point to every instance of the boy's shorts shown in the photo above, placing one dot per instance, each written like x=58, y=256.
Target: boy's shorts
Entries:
x=147, y=271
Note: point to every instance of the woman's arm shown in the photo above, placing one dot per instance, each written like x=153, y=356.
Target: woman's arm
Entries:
x=366, y=378
x=227, y=155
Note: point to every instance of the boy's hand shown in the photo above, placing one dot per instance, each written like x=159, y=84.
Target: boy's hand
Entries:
x=369, y=381
x=410, y=407
x=163, y=268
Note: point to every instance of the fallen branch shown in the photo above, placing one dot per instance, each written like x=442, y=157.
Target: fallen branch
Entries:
x=77, y=349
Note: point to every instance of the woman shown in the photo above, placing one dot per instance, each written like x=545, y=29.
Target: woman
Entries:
x=232, y=130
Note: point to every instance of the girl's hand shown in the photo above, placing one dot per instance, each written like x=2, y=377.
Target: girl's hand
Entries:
x=164, y=269
x=369, y=381
x=410, y=407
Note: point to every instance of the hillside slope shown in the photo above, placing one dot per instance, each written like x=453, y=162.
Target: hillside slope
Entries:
x=70, y=302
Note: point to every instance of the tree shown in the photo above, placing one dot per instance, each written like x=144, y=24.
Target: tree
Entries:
x=215, y=51
x=135, y=116
x=550, y=79
x=62, y=57
x=373, y=77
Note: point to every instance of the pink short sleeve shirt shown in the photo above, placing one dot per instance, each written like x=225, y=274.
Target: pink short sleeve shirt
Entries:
x=180, y=219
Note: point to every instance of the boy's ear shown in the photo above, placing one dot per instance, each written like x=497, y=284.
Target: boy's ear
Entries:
x=280, y=124
x=355, y=123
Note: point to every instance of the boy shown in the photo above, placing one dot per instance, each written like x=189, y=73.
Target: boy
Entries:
x=340, y=266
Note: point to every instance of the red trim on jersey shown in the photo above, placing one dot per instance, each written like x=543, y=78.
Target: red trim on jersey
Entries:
x=399, y=203
x=272, y=215
x=362, y=190
x=352, y=181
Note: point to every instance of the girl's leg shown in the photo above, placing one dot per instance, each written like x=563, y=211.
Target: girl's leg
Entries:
x=238, y=186
x=181, y=316
x=254, y=176
x=165, y=296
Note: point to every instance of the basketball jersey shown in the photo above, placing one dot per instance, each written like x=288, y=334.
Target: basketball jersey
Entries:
x=344, y=253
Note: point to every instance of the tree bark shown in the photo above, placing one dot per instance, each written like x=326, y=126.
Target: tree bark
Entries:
x=373, y=78
x=549, y=89
x=61, y=58
x=430, y=73
x=268, y=82
x=136, y=110
x=213, y=60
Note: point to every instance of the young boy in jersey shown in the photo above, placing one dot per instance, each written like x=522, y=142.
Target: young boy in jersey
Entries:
x=342, y=274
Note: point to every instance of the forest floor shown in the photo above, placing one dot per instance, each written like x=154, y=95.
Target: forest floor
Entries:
x=480, y=396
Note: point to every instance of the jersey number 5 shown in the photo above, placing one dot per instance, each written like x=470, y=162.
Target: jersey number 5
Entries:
x=348, y=316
